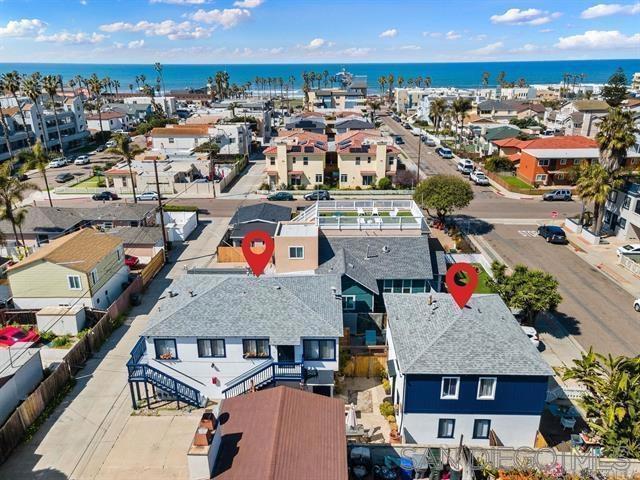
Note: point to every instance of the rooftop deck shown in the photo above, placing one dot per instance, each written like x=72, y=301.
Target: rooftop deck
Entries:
x=365, y=215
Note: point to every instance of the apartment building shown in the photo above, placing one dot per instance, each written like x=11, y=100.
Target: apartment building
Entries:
x=16, y=132
x=168, y=104
x=622, y=212
x=364, y=157
x=111, y=121
x=232, y=138
x=297, y=159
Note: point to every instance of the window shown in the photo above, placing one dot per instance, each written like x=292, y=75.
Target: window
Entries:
x=74, y=282
x=318, y=178
x=343, y=178
x=255, y=348
x=543, y=162
x=305, y=160
x=124, y=181
x=626, y=203
x=367, y=180
x=406, y=286
x=563, y=161
x=622, y=222
x=293, y=160
x=541, y=177
x=613, y=195
x=348, y=302
x=166, y=349
x=295, y=181
x=486, y=388
x=446, y=427
x=607, y=216
x=296, y=252
x=368, y=159
x=211, y=347
x=397, y=286
x=637, y=209
x=319, y=349
x=272, y=160
x=357, y=160
x=171, y=140
x=94, y=276
x=481, y=428
x=449, y=388
x=390, y=160
x=387, y=286
x=577, y=161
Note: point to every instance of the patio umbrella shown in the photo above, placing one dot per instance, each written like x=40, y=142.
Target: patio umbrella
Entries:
x=351, y=417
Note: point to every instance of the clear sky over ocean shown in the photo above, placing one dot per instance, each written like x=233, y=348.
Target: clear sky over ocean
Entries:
x=316, y=31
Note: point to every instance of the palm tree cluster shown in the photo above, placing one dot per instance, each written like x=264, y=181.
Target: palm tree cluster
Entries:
x=219, y=87
x=387, y=82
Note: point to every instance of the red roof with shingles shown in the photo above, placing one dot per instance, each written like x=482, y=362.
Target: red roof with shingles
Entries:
x=356, y=139
x=568, y=142
x=282, y=433
x=300, y=138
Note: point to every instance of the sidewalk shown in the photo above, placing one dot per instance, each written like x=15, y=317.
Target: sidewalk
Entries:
x=605, y=260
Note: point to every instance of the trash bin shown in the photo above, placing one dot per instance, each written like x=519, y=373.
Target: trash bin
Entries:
x=406, y=468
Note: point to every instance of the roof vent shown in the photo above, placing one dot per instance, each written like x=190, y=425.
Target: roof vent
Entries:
x=386, y=249
x=430, y=299
x=277, y=287
x=191, y=293
x=350, y=265
x=172, y=293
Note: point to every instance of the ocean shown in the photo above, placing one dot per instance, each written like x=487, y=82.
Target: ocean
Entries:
x=442, y=74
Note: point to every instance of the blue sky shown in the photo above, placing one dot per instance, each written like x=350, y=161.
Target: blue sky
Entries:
x=282, y=31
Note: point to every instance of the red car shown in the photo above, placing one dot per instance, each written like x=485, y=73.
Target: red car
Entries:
x=12, y=335
x=131, y=261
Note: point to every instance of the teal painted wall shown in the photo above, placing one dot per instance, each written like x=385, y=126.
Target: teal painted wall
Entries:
x=364, y=298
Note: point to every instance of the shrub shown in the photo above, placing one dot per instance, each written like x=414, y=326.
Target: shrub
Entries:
x=47, y=336
x=393, y=426
x=264, y=186
x=387, y=409
x=387, y=386
x=384, y=184
x=61, y=342
x=180, y=208
x=83, y=333
x=498, y=164
x=391, y=418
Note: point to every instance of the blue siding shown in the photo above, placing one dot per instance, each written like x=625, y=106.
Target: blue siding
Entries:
x=515, y=395
x=364, y=297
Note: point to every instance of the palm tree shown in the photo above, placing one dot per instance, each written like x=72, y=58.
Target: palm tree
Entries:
x=615, y=137
x=38, y=159
x=437, y=109
x=128, y=152
x=159, y=69
x=32, y=88
x=460, y=108
x=50, y=85
x=131, y=88
x=232, y=107
x=374, y=105
x=95, y=87
x=10, y=82
x=594, y=184
x=501, y=78
x=116, y=85
x=485, y=79
x=382, y=81
x=401, y=81
x=427, y=82
x=12, y=193
x=390, y=80
x=5, y=131
x=20, y=216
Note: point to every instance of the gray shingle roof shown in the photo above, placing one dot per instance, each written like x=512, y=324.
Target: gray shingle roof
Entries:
x=267, y=212
x=368, y=259
x=483, y=338
x=138, y=235
x=281, y=308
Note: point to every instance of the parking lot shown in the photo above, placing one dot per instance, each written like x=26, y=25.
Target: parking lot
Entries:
x=595, y=310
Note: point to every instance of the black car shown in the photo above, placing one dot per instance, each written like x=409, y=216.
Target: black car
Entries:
x=64, y=177
x=318, y=195
x=105, y=196
x=280, y=196
x=552, y=234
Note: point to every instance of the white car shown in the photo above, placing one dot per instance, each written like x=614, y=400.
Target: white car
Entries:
x=479, y=178
x=464, y=164
x=57, y=163
x=147, y=196
x=532, y=333
x=82, y=160
x=626, y=249
x=111, y=144
x=636, y=305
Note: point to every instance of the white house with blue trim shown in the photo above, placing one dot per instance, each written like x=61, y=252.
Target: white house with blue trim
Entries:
x=215, y=336
x=468, y=372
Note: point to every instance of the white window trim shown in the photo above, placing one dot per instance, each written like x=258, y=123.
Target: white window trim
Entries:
x=352, y=297
x=543, y=162
x=296, y=258
x=541, y=175
x=493, y=393
x=79, y=282
x=454, y=397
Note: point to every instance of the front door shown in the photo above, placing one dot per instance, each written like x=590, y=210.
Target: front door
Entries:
x=286, y=354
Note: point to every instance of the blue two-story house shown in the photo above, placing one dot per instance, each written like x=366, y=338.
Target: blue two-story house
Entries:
x=468, y=372
x=372, y=266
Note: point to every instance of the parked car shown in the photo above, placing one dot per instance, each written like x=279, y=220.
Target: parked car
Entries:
x=64, y=177
x=636, y=305
x=626, y=249
x=105, y=196
x=552, y=234
x=147, y=196
x=399, y=141
x=562, y=194
x=465, y=165
x=131, y=260
x=100, y=148
x=430, y=142
x=318, y=195
x=280, y=196
x=444, y=152
x=57, y=163
x=479, y=178
x=407, y=126
x=82, y=160
x=12, y=335
x=532, y=334
x=111, y=144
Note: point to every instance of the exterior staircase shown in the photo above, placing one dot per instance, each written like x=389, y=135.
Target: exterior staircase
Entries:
x=148, y=375
x=266, y=374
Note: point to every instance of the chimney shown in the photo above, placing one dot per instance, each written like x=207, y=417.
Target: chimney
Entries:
x=430, y=299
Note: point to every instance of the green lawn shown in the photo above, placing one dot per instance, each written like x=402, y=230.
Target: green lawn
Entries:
x=516, y=181
x=483, y=280
x=91, y=182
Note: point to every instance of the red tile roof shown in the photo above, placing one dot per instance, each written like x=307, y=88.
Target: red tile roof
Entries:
x=514, y=157
x=353, y=142
x=568, y=142
x=282, y=433
x=300, y=141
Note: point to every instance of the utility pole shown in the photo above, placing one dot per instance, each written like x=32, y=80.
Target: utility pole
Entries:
x=419, y=154
x=212, y=167
x=164, y=232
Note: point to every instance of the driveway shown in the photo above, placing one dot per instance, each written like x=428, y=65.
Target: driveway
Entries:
x=248, y=181
x=595, y=311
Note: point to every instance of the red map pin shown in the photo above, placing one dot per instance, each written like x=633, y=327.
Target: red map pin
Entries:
x=257, y=261
x=461, y=293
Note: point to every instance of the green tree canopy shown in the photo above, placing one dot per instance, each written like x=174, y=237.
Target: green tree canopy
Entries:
x=444, y=194
x=615, y=90
x=532, y=291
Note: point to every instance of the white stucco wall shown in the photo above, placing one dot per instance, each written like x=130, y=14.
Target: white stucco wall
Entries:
x=111, y=290
x=23, y=381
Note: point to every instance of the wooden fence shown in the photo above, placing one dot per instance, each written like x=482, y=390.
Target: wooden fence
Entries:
x=21, y=317
x=152, y=268
x=17, y=425
x=234, y=254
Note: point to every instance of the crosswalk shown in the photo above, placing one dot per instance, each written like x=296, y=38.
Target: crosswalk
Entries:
x=528, y=233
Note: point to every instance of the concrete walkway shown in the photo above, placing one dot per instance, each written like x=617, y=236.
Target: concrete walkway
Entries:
x=248, y=181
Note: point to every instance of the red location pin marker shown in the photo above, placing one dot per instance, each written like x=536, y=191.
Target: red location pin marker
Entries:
x=461, y=293
x=257, y=261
